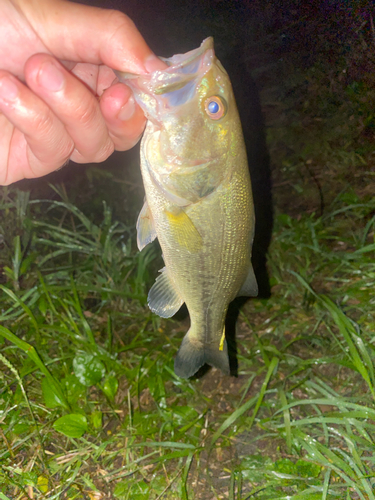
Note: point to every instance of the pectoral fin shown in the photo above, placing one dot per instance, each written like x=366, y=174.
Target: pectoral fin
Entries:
x=163, y=298
x=250, y=286
x=183, y=230
x=145, y=227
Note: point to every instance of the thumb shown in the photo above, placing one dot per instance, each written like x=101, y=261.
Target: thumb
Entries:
x=82, y=33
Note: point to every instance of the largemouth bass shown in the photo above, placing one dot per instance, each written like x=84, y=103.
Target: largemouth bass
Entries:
x=198, y=199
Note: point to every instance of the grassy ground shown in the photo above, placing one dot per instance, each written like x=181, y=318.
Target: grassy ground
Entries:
x=90, y=407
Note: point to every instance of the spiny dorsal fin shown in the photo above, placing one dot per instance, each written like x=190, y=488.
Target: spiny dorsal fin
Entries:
x=163, y=299
x=145, y=227
x=250, y=286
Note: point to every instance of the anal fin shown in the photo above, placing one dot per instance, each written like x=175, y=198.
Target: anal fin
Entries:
x=163, y=298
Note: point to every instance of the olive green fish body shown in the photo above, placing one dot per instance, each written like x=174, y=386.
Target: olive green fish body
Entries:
x=198, y=201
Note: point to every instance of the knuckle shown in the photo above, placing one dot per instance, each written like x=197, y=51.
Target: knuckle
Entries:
x=92, y=123
x=123, y=143
x=87, y=113
x=45, y=130
x=41, y=123
x=64, y=151
x=109, y=149
x=97, y=155
x=119, y=21
x=104, y=151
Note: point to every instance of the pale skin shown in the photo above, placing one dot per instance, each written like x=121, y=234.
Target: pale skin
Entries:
x=58, y=96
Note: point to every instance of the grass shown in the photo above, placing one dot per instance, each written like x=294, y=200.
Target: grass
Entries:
x=90, y=407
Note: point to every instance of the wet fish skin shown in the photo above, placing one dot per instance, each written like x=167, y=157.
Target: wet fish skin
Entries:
x=198, y=200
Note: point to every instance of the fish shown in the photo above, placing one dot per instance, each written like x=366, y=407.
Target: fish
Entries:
x=198, y=199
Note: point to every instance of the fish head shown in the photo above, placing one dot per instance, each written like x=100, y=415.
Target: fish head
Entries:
x=191, y=107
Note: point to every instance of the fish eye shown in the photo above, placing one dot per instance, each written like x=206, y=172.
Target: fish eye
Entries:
x=215, y=107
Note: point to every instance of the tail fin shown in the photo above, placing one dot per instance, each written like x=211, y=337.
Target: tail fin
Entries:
x=193, y=354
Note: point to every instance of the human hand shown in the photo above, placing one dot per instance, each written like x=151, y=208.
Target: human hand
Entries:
x=56, y=114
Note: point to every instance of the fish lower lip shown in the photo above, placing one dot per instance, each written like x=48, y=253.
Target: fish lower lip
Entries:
x=181, y=162
x=198, y=163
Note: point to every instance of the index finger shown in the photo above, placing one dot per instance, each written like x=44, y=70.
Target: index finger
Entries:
x=82, y=33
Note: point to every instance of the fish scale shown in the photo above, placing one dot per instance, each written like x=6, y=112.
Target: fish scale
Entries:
x=198, y=199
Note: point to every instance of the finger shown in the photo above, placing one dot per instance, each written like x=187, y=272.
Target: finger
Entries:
x=89, y=34
x=40, y=143
x=5, y=139
x=98, y=78
x=75, y=106
x=88, y=74
x=125, y=119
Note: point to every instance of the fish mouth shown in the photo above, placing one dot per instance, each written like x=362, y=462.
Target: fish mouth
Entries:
x=183, y=68
x=193, y=165
x=164, y=90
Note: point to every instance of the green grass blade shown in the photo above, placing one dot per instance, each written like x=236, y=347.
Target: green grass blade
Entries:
x=327, y=477
x=246, y=406
x=272, y=367
x=363, y=364
x=33, y=355
x=185, y=476
x=286, y=415
x=20, y=303
x=78, y=308
x=232, y=418
x=165, y=444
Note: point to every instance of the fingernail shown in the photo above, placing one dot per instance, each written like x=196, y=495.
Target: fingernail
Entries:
x=8, y=89
x=153, y=63
x=127, y=111
x=50, y=77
